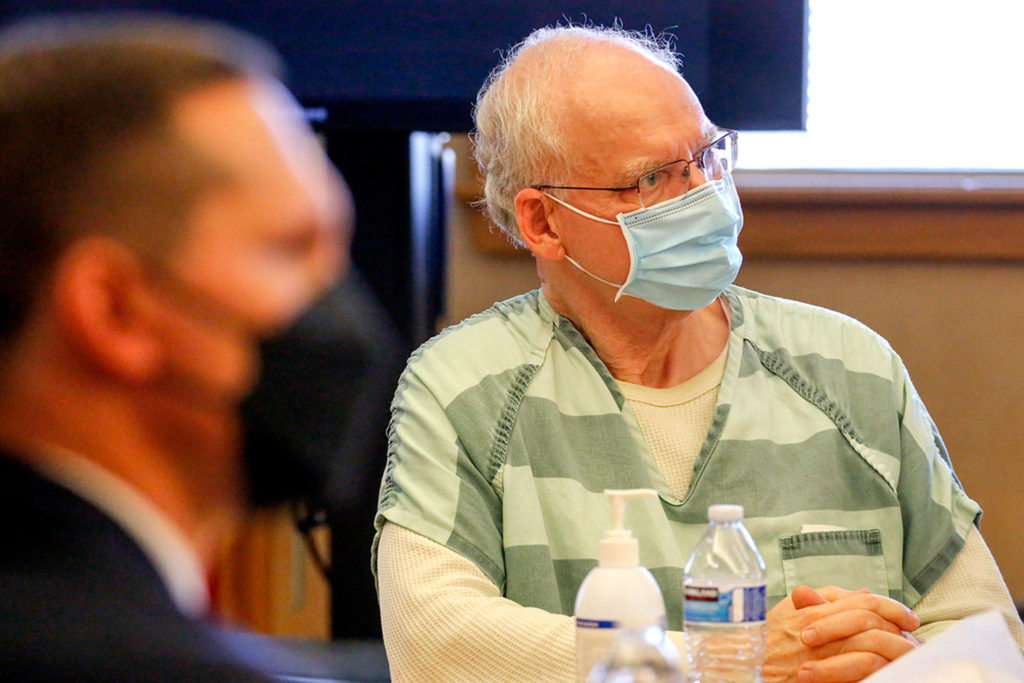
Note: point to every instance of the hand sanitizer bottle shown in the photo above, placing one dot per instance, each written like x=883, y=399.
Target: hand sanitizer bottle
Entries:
x=616, y=592
x=639, y=655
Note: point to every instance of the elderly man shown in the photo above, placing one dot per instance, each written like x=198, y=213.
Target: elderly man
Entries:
x=637, y=364
x=164, y=209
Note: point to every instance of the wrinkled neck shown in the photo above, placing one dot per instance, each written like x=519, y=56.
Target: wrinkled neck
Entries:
x=644, y=344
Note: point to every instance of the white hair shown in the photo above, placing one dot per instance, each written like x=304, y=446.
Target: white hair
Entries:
x=518, y=138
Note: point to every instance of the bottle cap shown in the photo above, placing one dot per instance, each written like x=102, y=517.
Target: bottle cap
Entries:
x=619, y=548
x=725, y=513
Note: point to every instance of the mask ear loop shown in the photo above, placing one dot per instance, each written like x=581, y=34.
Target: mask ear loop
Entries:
x=630, y=245
x=308, y=517
x=581, y=211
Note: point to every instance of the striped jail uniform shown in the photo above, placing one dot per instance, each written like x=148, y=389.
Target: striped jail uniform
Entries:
x=507, y=427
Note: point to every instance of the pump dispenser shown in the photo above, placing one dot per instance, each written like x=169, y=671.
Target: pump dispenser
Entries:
x=619, y=548
x=618, y=592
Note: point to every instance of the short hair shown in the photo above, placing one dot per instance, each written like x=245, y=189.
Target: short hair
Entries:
x=517, y=139
x=86, y=140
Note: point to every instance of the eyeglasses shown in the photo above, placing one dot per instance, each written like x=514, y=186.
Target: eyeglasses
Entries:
x=671, y=180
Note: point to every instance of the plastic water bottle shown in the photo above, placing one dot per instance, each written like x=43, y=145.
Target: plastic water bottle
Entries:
x=639, y=655
x=724, y=608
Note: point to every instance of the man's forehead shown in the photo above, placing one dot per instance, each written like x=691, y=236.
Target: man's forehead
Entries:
x=226, y=122
x=606, y=78
x=278, y=178
x=614, y=95
x=254, y=131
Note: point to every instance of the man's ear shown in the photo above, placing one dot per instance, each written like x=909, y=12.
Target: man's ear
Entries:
x=537, y=227
x=102, y=303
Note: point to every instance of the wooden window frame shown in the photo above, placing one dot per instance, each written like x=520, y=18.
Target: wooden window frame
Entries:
x=823, y=215
x=941, y=216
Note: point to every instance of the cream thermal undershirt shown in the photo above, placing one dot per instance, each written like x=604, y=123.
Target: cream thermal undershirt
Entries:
x=675, y=421
x=443, y=619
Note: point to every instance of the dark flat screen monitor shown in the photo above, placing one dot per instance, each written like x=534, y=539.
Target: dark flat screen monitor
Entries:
x=417, y=64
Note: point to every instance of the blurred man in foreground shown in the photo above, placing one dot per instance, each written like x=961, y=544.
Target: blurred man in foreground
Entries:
x=638, y=365
x=164, y=210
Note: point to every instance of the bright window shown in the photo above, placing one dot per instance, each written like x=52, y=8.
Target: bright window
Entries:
x=907, y=84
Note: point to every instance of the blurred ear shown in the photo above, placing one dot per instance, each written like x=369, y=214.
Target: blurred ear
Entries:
x=537, y=227
x=102, y=303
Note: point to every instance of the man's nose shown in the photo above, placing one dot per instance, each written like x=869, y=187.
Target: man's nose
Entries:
x=698, y=177
x=330, y=256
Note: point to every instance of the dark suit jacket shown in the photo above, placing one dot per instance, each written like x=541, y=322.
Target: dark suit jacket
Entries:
x=80, y=601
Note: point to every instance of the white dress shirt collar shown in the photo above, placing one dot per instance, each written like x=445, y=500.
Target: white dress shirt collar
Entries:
x=160, y=539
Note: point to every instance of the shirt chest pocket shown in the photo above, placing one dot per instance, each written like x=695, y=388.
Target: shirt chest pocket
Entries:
x=850, y=559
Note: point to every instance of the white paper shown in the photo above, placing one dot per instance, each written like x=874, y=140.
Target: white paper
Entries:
x=979, y=649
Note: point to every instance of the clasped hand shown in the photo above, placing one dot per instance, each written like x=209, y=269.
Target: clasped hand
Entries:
x=831, y=635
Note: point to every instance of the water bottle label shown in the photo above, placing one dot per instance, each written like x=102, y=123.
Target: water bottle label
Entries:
x=595, y=623
x=725, y=606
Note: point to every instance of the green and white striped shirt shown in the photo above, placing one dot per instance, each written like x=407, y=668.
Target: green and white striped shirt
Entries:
x=507, y=428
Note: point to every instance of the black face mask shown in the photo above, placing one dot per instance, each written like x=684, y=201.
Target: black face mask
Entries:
x=313, y=424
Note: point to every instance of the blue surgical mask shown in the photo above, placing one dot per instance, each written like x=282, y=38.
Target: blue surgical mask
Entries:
x=682, y=252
